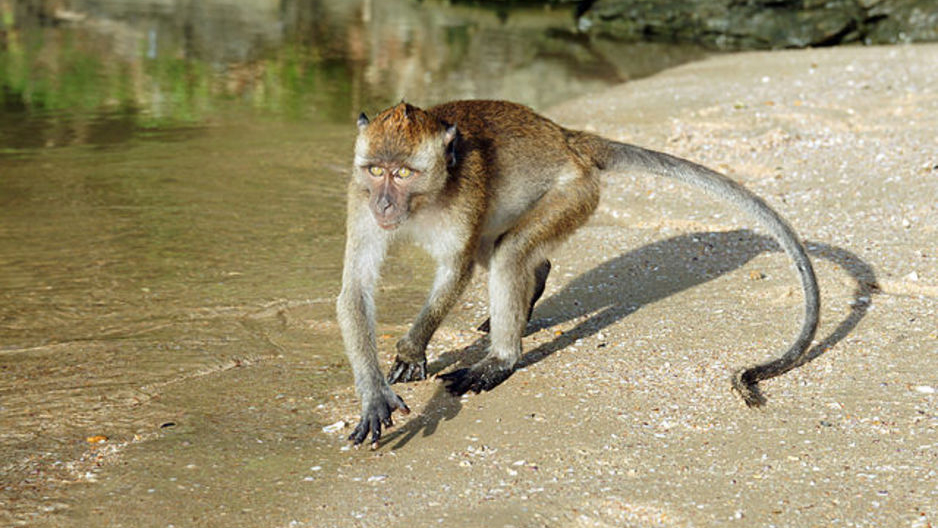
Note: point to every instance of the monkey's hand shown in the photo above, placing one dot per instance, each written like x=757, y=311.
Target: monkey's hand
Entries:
x=404, y=371
x=410, y=363
x=484, y=375
x=376, y=411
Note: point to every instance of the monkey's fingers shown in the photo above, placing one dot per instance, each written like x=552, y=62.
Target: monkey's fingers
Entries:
x=376, y=415
x=372, y=424
x=360, y=432
x=398, y=404
x=403, y=371
x=375, y=434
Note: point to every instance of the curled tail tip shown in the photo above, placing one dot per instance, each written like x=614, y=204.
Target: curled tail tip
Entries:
x=748, y=390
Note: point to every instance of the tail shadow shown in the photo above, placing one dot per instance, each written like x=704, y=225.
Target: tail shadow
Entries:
x=623, y=285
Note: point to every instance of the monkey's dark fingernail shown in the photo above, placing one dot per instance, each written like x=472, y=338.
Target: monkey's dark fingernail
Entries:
x=357, y=435
x=395, y=374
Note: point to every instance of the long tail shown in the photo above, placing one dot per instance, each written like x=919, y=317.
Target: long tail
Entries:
x=614, y=155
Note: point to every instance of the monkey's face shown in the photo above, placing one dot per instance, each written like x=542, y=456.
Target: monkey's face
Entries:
x=401, y=162
x=390, y=188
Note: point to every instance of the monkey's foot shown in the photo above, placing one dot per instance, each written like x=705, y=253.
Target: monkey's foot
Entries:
x=375, y=413
x=403, y=371
x=482, y=376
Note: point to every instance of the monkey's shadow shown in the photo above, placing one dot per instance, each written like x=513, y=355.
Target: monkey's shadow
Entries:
x=623, y=285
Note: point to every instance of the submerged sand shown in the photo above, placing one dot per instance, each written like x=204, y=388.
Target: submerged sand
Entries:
x=622, y=414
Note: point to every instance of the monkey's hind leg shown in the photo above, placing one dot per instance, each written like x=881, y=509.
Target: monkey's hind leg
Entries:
x=513, y=281
x=540, y=281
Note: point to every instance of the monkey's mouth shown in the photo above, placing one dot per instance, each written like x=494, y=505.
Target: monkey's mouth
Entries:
x=388, y=224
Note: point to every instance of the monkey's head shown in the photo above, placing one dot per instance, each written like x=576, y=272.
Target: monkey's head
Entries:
x=402, y=161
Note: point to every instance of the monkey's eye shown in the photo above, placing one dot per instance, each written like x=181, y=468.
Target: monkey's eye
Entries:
x=375, y=170
x=404, y=173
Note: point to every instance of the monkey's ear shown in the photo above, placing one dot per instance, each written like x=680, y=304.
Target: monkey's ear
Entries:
x=362, y=120
x=450, y=137
x=450, y=134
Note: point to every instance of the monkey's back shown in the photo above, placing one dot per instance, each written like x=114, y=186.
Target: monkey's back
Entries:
x=500, y=125
x=518, y=154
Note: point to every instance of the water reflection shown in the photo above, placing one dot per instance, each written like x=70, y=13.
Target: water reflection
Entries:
x=149, y=64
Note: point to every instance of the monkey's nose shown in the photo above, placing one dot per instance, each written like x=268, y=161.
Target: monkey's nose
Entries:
x=385, y=205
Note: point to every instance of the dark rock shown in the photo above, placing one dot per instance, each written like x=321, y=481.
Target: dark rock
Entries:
x=733, y=24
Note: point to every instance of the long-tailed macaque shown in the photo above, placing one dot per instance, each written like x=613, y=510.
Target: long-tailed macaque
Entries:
x=493, y=183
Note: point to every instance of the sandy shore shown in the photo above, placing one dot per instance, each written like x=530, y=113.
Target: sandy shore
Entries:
x=630, y=422
x=622, y=415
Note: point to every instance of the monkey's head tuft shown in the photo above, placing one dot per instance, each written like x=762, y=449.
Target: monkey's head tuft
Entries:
x=400, y=131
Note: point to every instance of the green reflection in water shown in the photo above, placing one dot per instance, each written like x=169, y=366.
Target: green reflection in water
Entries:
x=80, y=88
x=58, y=79
x=158, y=65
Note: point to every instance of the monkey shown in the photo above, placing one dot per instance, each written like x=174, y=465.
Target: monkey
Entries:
x=494, y=184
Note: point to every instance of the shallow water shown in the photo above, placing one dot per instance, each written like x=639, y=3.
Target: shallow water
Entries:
x=172, y=210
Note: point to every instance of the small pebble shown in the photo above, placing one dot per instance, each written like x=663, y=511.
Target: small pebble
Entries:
x=338, y=426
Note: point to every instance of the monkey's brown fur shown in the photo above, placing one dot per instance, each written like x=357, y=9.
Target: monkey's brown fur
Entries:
x=495, y=184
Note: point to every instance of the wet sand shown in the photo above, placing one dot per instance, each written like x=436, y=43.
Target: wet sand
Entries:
x=622, y=413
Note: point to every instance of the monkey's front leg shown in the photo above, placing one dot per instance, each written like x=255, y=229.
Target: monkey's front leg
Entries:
x=356, y=318
x=356, y=314
x=451, y=279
